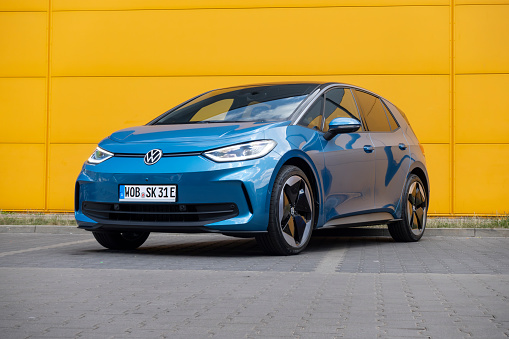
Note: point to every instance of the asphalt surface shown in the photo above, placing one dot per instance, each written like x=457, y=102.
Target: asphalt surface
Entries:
x=202, y=286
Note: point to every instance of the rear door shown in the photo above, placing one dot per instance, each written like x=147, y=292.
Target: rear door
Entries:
x=392, y=151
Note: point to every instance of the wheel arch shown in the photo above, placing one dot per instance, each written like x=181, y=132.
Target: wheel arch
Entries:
x=421, y=172
x=418, y=169
x=300, y=160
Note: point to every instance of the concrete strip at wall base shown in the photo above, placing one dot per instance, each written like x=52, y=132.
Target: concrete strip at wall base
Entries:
x=50, y=229
x=59, y=229
x=491, y=232
x=17, y=229
x=339, y=232
x=450, y=232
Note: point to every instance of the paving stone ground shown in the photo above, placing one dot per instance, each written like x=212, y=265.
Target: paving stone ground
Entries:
x=212, y=286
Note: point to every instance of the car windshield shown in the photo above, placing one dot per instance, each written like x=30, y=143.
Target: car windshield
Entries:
x=249, y=104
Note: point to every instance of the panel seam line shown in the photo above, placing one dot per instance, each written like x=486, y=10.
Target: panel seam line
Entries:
x=48, y=101
x=452, y=106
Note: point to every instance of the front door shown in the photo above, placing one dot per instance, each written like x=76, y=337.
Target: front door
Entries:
x=349, y=158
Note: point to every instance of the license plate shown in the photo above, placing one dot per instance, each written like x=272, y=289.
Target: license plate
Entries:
x=148, y=193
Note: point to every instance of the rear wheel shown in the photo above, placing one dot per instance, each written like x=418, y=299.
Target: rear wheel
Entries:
x=291, y=214
x=414, y=212
x=121, y=240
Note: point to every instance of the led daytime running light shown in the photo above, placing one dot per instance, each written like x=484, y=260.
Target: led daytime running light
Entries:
x=99, y=156
x=241, y=152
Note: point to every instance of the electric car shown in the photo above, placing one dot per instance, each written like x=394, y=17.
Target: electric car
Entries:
x=269, y=161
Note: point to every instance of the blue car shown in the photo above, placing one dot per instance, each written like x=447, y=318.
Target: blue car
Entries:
x=269, y=161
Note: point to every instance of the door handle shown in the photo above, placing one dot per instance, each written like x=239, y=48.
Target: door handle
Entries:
x=368, y=148
x=402, y=146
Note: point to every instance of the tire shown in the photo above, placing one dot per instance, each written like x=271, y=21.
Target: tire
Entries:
x=291, y=214
x=121, y=241
x=414, y=212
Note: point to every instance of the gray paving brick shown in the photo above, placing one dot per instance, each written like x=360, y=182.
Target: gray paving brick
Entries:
x=203, y=286
x=334, y=330
x=60, y=332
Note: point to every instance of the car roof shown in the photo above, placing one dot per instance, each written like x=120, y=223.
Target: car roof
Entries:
x=319, y=84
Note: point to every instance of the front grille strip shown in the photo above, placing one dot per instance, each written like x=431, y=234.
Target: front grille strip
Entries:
x=165, y=155
x=91, y=210
x=159, y=213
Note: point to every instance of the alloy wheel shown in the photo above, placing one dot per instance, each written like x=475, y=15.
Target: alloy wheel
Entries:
x=416, y=208
x=295, y=211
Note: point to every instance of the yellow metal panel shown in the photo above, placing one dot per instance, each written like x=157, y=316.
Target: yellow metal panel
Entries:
x=482, y=39
x=195, y=4
x=23, y=41
x=22, y=177
x=65, y=164
x=438, y=166
x=291, y=41
x=24, y=5
x=482, y=114
x=87, y=109
x=23, y=110
x=482, y=179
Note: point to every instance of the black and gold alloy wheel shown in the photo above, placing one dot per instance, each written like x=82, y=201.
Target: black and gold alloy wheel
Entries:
x=291, y=214
x=416, y=208
x=414, y=212
x=295, y=211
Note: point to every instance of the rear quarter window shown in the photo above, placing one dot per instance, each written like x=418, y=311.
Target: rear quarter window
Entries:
x=373, y=112
x=393, y=109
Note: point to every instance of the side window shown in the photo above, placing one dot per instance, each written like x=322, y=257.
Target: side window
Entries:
x=393, y=109
x=392, y=122
x=339, y=103
x=373, y=112
x=313, y=117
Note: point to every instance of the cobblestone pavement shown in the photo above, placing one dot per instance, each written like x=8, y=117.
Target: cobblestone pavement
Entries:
x=201, y=286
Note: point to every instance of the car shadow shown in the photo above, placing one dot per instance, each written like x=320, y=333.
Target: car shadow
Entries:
x=189, y=247
x=223, y=246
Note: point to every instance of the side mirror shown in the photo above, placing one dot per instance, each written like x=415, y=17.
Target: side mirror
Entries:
x=341, y=125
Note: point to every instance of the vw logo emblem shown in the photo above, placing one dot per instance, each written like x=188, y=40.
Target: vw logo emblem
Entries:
x=153, y=156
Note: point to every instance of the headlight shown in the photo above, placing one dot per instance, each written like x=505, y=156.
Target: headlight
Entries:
x=99, y=155
x=240, y=152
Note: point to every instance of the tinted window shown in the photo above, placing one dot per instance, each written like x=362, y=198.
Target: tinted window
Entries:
x=256, y=103
x=393, y=109
x=373, y=112
x=313, y=117
x=392, y=122
x=339, y=103
x=214, y=109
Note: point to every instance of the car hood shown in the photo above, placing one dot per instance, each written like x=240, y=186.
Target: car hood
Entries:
x=185, y=137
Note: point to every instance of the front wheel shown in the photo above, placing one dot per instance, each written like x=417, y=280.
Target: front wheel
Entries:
x=121, y=240
x=414, y=212
x=291, y=214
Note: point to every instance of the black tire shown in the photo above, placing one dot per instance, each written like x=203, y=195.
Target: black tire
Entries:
x=414, y=212
x=121, y=241
x=292, y=197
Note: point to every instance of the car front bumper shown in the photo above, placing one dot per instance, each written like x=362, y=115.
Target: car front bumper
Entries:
x=231, y=197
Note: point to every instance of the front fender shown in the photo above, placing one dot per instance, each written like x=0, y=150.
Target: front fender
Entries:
x=300, y=159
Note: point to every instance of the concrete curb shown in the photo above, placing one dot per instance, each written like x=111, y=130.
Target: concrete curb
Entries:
x=50, y=229
x=340, y=232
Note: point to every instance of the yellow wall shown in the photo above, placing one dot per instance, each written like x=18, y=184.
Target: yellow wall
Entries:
x=73, y=71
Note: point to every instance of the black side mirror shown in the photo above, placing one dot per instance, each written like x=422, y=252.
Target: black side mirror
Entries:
x=341, y=125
